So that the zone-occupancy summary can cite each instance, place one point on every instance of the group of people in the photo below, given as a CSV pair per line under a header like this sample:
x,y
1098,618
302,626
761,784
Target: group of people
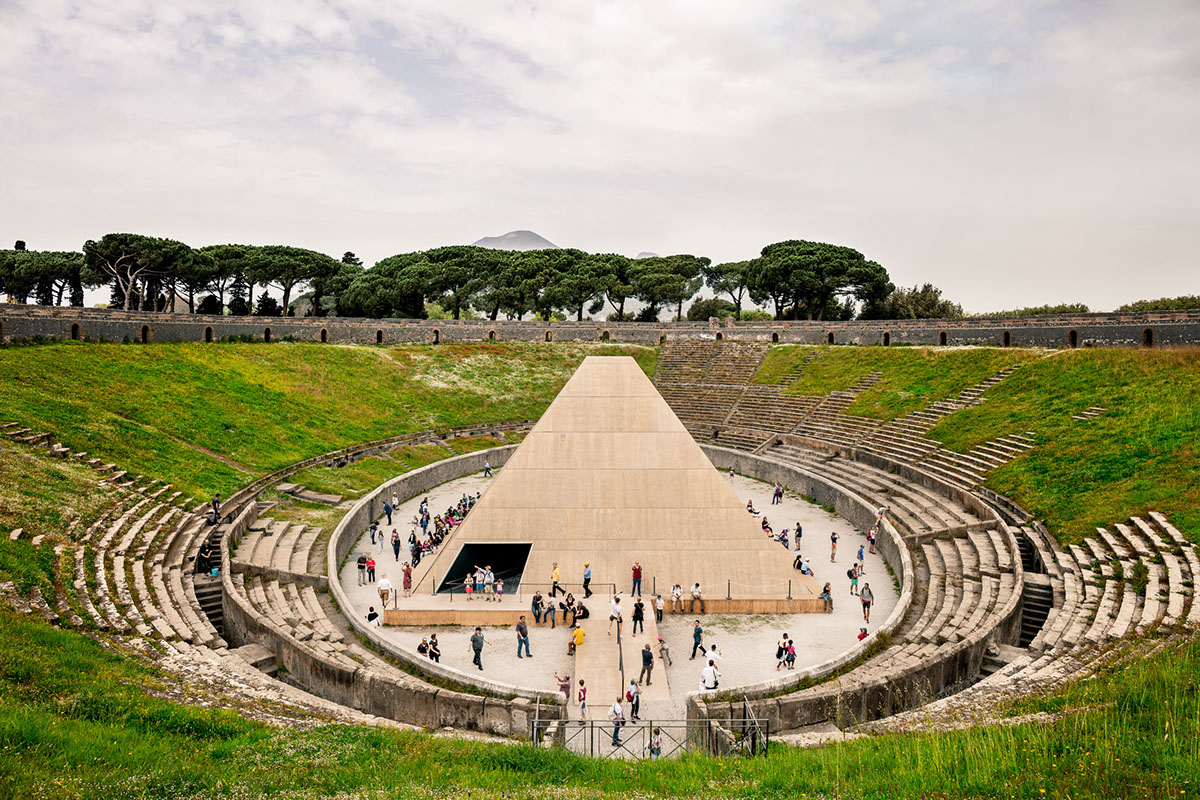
x,y
546,609
483,582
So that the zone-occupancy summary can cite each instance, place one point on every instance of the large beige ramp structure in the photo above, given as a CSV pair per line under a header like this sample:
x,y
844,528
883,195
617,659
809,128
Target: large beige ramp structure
x,y
610,475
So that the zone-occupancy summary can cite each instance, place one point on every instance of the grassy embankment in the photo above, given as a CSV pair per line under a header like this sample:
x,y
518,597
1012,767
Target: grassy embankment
x,y
77,721
1140,455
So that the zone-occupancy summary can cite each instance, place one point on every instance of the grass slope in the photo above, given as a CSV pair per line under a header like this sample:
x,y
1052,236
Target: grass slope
x,y
265,406
78,721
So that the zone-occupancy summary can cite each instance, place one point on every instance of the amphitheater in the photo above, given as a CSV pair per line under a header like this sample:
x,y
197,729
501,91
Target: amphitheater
x,y
990,607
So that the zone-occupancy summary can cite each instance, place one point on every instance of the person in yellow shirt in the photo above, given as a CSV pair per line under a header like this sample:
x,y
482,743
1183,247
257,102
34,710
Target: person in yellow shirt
x,y
554,576
576,640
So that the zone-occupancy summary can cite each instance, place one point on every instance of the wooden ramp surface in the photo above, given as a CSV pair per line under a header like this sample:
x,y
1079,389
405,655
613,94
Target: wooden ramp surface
x,y
597,661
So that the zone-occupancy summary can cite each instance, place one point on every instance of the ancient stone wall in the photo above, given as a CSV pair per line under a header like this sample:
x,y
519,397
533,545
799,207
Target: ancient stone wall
x,y
1149,329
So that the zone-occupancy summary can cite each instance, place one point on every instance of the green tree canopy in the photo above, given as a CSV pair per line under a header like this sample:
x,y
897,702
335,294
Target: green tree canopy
x,y
729,279
924,302
812,276
129,259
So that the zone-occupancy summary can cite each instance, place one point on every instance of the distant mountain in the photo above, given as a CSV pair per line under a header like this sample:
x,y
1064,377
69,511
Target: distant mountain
x,y
516,240
647,254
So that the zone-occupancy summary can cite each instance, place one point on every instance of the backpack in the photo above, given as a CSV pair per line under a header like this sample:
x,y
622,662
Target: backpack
x,y
850,573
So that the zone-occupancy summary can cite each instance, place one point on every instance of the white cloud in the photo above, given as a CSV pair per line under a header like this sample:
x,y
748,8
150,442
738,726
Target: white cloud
x,y
1011,152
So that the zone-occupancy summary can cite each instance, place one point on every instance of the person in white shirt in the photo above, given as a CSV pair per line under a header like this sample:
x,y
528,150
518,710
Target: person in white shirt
x,y
634,696
709,677
658,608
385,589
677,599
696,598
614,613
618,720
713,653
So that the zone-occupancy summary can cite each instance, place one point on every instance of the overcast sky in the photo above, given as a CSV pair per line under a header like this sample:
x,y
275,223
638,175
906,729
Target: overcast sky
x,y
1010,152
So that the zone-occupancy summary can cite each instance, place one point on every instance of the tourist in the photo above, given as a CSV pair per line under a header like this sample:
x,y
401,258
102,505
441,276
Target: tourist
x,y
633,696
387,511
852,574
523,637
859,558
554,578
575,640
709,677
637,579
587,579
658,608
582,697
664,651
698,641
407,579
697,597
882,514
395,501
777,495
216,508
373,616
372,529
614,614
204,559
385,589
362,569
781,652
639,615
568,607
423,647
833,539
435,651
370,569
677,599
479,578
655,745
798,561
862,634
564,686
750,508
499,590
476,646
396,544
581,613
868,599
469,585
379,545
551,610
537,606
647,664
791,654
827,596
766,526
618,717
487,473
714,653
805,568
871,535
799,533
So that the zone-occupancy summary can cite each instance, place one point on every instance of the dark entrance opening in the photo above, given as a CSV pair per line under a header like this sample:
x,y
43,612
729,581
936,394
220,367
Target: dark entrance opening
x,y
75,331
720,336
1007,340
1148,337
604,336
829,338
887,338
549,336
507,560
324,336
775,338
145,334
1073,338
662,339
437,336
208,335
378,337
491,336
266,334
943,337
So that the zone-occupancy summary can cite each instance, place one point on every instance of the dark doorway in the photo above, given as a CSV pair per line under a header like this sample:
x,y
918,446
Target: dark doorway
x,y
208,334
1148,337
774,338
378,337
145,334
1006,340
662,339
324,336
943,338
491,336
720,336
604,336
1073,338
887,338
507,560
437,336
829,338
549,336
266,334
75,331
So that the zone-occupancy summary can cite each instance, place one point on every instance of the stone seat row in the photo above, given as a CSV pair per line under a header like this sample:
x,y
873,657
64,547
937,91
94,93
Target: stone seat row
x,y
282,546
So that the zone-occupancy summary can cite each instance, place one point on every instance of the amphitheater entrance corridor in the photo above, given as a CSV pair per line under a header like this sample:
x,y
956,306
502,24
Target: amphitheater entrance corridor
x,y
507,560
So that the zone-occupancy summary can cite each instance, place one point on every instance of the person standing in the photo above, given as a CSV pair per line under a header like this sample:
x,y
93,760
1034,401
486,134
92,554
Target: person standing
x,y
633,695
618,716
658,608
655,745
647,664
860,560
387,512
476,646
551,610
564,686
216,508
868,599
871,535
698,641
587,579
362,569
614,614
781,652
833,539
639,615
537,605
396,544
407,579
435,650
637,579
554,578
582,696
489,583
852,574
370,569
523,639
385,589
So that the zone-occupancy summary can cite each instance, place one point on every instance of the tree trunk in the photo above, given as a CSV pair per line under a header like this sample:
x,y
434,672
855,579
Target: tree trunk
x,y
579,316
287,293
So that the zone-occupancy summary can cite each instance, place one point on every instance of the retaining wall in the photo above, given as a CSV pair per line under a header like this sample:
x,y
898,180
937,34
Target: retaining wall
x,y
1157,328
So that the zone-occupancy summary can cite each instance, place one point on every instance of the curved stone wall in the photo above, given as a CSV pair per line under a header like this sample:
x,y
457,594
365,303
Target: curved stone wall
x,y
1152,329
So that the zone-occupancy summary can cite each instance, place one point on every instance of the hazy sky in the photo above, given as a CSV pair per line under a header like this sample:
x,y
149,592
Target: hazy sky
x,y
1010,152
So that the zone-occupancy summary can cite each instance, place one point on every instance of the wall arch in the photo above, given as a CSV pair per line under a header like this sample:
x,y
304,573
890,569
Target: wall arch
x,y
437,336
662,339
549,335
720,336
208,334
943,338
491,336
76,331
1,332
1006,339
379,337
775,337
887,338
604,336
1073,338
830,338
324,336
266,334
1148,337
146,335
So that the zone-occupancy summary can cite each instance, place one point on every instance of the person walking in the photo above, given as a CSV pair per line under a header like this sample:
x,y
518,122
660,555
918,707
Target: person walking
x,y
852,574
633,696
385,589
582,697
637,579
554,578
396,544
698,641
370,569
614,614
639,616
833,539
216,508
618,717
664,652
871,536
587,579
697,597
362,569
435,650
647,664
476,646
487,469
860,559
658,608
523,639
387,512
781,652
868,599
407,579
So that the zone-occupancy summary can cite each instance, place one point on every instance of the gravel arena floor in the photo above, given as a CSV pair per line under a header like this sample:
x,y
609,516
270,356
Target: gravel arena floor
x,y
746,643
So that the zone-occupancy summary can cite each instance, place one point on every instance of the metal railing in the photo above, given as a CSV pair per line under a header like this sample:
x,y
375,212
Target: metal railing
x,y
651,739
